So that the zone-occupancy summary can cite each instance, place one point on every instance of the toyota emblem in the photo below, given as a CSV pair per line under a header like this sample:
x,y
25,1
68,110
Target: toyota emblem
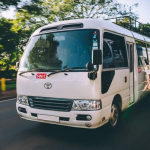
x,y
48,85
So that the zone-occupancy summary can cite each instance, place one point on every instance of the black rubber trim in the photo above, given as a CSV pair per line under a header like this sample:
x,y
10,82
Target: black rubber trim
x,y
106,80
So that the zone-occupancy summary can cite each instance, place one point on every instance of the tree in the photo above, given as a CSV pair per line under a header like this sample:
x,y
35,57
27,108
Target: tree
x,y
27,19
58,10
32,14
145,28
134,25
5,4
8,41
75,9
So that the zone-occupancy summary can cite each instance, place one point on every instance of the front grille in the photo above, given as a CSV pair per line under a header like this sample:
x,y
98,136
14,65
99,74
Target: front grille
x,y
50,103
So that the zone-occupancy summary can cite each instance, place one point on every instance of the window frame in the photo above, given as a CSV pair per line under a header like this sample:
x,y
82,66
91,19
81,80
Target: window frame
x,y
108,47
148,45
118,68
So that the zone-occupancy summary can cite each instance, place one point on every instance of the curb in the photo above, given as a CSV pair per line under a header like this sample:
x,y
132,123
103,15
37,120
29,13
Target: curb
x,y
5,98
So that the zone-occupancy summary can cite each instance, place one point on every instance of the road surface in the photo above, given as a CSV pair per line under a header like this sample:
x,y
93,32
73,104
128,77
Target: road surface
x,y
20,134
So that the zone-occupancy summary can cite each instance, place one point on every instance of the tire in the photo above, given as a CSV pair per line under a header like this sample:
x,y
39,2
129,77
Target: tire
x,y
114,116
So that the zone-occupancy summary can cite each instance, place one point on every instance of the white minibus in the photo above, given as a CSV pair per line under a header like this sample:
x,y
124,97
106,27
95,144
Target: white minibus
x,y
82,73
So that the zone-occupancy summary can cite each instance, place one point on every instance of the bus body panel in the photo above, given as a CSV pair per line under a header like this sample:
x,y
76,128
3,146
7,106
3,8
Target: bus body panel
x,y
75,85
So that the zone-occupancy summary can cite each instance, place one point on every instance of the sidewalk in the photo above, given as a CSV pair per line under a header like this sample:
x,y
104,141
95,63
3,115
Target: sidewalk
x,y
7,94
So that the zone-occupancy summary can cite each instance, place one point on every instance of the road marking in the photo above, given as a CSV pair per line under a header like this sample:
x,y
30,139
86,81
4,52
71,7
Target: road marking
x,y
7,100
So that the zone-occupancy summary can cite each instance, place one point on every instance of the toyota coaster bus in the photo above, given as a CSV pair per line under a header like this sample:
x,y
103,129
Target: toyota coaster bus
x,y
82,73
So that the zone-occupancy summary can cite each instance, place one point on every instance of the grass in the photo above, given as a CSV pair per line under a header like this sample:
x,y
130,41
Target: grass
x,y
10,85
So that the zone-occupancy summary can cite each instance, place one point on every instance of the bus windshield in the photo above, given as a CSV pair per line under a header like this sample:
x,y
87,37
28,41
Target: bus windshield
x,y
60,50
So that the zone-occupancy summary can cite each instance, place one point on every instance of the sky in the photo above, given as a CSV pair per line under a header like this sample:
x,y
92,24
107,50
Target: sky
x,y
9,13
143,10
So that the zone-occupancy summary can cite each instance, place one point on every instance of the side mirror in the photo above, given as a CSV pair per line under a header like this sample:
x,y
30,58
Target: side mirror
x,y
97,57
89,66
17,65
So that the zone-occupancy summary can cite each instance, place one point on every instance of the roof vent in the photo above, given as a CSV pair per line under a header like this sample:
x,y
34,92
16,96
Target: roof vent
x,y
51,28
63,27
72,26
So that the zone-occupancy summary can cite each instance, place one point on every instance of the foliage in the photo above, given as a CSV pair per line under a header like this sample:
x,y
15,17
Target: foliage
x,y
8,42
74,9
32,14
59,10
134,25
11,38
28,19
8,74
145,28
5,4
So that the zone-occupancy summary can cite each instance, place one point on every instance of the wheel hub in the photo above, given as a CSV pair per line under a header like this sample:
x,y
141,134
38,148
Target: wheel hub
x,y
114,115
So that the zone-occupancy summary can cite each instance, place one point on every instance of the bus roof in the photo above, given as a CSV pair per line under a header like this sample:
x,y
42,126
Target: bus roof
x,y
97,23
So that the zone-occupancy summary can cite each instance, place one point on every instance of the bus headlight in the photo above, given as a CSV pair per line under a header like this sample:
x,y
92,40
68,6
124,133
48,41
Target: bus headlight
x,y
86,105
22,100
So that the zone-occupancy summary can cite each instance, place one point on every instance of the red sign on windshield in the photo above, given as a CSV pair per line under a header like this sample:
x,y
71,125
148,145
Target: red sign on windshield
x,y
41,76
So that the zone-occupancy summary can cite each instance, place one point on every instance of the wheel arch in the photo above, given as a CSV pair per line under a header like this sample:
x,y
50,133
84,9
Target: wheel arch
x,y
118,100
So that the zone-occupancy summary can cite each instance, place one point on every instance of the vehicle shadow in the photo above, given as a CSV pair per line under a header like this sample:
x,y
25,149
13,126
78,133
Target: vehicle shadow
x,y
127,131
133,132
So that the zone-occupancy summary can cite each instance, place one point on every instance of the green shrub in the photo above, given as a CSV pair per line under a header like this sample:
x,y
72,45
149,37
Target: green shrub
x,y
8,74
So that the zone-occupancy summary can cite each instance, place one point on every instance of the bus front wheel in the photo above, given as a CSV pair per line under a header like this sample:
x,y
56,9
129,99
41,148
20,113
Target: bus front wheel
x,y
114,116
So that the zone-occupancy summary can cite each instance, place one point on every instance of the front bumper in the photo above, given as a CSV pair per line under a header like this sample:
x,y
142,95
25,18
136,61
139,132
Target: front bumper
x,y
95,122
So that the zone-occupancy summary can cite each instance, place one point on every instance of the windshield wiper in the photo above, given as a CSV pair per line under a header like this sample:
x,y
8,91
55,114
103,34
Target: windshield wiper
x,y
34,70
66,69
42,70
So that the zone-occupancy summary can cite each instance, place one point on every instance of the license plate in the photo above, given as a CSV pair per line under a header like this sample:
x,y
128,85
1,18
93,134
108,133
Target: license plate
x,y
48,118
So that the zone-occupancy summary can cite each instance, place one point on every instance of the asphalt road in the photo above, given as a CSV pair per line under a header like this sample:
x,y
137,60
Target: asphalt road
x,y
20,134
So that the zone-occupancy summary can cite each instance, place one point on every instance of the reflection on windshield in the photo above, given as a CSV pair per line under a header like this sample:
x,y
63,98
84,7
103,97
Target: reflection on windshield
x,y
56,51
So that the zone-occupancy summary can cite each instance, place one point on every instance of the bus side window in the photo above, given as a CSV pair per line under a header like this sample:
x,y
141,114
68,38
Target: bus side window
x,y
118,50
107,55
148,50
142,53
106,51
139,62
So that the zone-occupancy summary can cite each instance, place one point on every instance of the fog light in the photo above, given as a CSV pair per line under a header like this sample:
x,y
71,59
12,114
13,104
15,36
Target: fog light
x,y
23,110
88,117
83,117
